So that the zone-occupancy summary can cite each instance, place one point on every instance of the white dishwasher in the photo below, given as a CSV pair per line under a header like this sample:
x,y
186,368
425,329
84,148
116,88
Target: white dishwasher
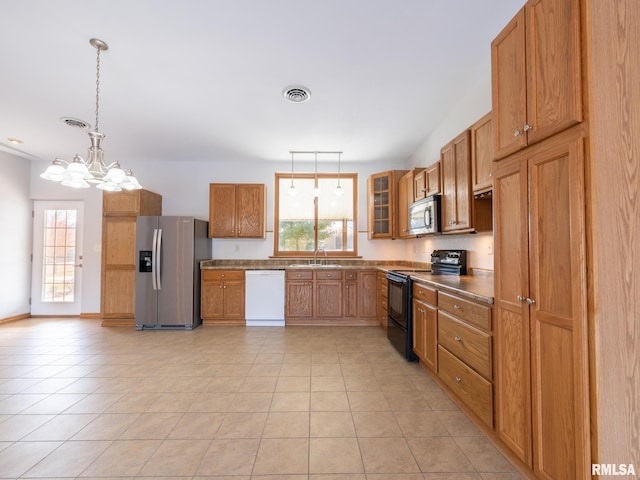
x,y
264,298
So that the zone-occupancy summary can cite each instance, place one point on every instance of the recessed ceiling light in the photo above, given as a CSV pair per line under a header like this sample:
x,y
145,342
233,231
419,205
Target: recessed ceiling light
x,y
75,123
15,141
296,94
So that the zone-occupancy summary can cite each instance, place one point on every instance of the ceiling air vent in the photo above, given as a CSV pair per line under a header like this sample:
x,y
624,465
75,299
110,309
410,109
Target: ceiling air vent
x,y
296,94
75,123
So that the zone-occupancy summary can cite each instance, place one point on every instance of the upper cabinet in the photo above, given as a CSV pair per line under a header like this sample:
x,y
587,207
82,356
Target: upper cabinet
x,y
536,74
482,154
405,198
382,203
237,210
455,160
427,182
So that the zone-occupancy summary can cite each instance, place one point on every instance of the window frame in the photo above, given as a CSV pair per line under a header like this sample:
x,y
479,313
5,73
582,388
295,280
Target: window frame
x,y
276,215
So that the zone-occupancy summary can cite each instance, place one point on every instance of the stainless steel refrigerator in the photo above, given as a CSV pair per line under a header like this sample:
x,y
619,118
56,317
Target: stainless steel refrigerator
x,y
169,251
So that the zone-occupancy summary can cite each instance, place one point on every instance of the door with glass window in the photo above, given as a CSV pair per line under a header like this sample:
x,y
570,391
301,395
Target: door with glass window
x,y
57,258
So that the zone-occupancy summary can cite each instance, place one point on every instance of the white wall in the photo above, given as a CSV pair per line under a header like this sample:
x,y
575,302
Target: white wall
x,y
471,107
184,187
15,239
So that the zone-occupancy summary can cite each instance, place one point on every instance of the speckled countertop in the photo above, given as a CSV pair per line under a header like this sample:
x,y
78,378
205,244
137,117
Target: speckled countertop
x,y
478,287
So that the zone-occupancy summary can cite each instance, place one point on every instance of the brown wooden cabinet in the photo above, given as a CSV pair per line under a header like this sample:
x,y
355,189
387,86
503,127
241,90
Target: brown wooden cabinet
x,y
482,154
536,74
237,210
465,352
542,394
331,297
455,159
222,297
299,294
383,299
382,204
427,182
118,274
405,198
425,325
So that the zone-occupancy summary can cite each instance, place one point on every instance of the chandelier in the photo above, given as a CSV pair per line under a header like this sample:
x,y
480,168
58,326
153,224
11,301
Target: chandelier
x,y
80,173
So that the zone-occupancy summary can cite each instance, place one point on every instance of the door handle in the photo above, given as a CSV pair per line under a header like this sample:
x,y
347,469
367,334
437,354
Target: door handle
x,y
154,245
159,260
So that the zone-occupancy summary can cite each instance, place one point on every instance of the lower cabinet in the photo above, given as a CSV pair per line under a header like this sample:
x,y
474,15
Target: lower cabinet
x,y
452,337
425,325
327,297
383,299
222,297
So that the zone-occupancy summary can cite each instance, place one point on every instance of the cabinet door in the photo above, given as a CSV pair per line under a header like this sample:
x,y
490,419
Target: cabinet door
x,y
328,301
233,299
222,208
250,210
456,179
212,300
433,180
482,153
299,300
511,321
554,83
367,288
419,330
118,267
350,296
508,87
420,185
405,198
380,205
557,258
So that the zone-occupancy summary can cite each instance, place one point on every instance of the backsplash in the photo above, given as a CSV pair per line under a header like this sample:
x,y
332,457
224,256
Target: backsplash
x,y
479,248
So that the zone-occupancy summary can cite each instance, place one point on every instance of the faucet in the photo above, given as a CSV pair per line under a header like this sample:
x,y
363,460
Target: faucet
x,y
315,255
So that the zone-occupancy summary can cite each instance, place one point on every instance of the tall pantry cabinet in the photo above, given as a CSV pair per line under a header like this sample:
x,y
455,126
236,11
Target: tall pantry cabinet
x,y
541,350
119,216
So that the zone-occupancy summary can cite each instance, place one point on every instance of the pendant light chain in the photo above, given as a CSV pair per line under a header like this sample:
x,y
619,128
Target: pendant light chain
x,y
97,86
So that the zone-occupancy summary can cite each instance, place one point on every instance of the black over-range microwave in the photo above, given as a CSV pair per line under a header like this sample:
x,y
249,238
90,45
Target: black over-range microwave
x,y
424,216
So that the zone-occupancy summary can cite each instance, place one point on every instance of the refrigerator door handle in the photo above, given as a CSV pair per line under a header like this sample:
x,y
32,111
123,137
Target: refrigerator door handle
x,y
158,258
153,259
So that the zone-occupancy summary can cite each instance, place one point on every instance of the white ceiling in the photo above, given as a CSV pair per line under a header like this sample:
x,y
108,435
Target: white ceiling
x,y
202,79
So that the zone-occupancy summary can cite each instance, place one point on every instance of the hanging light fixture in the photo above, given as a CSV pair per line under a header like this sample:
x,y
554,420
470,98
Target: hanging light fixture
x,y
80,173
292,188
338,190
316,191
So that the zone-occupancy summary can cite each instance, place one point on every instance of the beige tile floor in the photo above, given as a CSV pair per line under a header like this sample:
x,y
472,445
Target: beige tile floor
x,y
263,403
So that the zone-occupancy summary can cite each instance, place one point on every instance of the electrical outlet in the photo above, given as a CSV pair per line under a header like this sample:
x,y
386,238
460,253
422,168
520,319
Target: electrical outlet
x,y
237,247
490,249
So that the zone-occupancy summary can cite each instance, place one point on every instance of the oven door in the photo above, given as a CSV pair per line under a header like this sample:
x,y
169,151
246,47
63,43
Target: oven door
x,y
397,300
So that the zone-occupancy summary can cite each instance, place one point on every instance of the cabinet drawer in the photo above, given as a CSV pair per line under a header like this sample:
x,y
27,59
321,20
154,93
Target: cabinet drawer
x,y
299,274
425,294
470,345
351,275
328,275
471,388
474,313
210,275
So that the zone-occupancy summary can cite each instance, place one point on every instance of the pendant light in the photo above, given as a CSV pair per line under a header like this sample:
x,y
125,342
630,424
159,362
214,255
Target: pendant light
x,y
80,173
316,191
338,191
292,189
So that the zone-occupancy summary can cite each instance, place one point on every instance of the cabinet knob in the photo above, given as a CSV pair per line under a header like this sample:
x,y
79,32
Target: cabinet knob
x,y
457,339
457,307
527,127
520,298
517,132
530,301
458,380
